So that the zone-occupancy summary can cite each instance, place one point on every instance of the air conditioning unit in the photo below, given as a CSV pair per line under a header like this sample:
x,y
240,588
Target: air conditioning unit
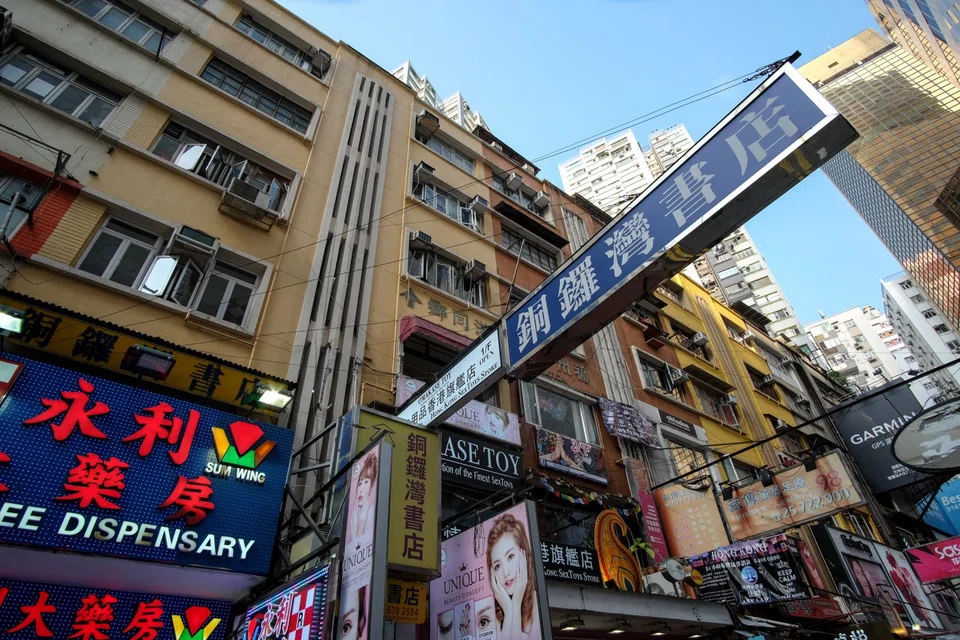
x,y
677,376
699,339
474,269
320,59
785,360
247,200
529,168
6,27
497,146
420,240
422,170
427,123
766,381
746,335
196,240
728,399
479,203
779,425
802,399
513,181
541,199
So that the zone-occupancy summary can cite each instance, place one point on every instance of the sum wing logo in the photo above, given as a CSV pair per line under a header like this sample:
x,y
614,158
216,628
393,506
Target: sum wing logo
x,y
237,451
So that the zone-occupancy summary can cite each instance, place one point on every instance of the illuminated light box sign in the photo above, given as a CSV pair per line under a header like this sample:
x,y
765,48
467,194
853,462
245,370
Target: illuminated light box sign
x,y
94,466
294,612
30,610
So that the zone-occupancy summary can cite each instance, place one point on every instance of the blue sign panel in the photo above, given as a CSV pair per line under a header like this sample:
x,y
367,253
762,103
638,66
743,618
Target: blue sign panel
x,y
29,610
96,466
944,513
740,151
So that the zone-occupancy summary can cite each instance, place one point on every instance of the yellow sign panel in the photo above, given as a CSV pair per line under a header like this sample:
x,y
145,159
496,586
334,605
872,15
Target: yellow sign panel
x,y
72,337
414,491
406,601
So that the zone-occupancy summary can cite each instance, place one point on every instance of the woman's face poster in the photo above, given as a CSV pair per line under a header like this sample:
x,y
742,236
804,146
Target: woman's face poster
x,y
487,589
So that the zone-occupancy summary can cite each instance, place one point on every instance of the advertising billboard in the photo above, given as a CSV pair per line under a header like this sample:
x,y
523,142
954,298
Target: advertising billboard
x,y
491,585
639,482
750,573
691,520
796,496
479,463
294,612
570,564
942,510
562,453
936,561
868,427
95,466
30,610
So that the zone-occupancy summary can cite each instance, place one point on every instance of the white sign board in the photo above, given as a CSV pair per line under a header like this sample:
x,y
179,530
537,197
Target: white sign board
x,y
443,397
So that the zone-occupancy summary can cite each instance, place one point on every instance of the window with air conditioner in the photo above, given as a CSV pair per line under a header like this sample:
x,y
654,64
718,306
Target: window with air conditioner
x,y
522,197
715,403
559,413
120,252
448,151
200,155
128,22
448,275
51,83
655,376
449,205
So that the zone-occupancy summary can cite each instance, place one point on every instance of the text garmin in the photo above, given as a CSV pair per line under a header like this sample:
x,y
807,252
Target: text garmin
x,y
239,460
881,430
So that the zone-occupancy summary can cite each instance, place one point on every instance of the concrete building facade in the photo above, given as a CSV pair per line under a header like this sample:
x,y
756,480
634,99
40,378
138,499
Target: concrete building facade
x,y
609,172
926,28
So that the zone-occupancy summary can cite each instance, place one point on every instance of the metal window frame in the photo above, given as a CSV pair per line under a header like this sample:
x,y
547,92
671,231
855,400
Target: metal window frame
x,y
232,282
126,241
165,34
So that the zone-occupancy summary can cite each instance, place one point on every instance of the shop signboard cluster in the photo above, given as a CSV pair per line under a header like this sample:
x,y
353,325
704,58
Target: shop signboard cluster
x,y
296,611
936,561
95,466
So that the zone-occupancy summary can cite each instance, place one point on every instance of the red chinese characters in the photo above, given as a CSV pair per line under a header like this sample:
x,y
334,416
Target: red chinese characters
x,y
93,618
4,459
192,495
33,616
157,423
73,408
95,480
147,621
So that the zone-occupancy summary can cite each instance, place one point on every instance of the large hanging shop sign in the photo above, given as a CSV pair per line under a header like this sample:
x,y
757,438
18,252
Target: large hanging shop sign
x,y
479,463
691,520
95,466
639,482
757,572
930,443
936,561
618,566
57,331
30,610
295,612
942,511
570,564
794,497
867,570
475,416
565,454
491,585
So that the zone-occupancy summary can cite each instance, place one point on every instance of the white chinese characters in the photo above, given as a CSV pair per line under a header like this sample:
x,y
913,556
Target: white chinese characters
x,y
761,126
631,239
532,322
689,194
578,287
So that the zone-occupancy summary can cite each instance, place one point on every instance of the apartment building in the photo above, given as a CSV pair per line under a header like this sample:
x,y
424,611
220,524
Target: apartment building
x,y
608,172
454,107
667,146
929,337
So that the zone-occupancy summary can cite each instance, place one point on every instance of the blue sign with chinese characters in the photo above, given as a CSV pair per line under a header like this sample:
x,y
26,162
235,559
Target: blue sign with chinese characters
x,y
95,466
30,610
744,149
944,513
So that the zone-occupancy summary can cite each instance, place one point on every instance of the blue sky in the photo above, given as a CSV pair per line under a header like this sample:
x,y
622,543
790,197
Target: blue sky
x,y
545,74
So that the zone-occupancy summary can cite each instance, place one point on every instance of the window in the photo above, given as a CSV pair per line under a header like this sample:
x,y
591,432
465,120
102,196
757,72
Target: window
x,y
447,275
684,338
685,459
129,23
120,252
916,299
239,85
750,268
859,524
736,471
760,282
780,314
940,328
59,87
289,52
463,161
227,293
929,313
559,413
714,403
953,345
850,324
521,197
29,196
449,206
726,273
746,253
538,255
770,297
209,160
656,377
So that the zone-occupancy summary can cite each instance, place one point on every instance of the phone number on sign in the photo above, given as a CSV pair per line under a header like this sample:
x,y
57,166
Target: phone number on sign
x,y
819,502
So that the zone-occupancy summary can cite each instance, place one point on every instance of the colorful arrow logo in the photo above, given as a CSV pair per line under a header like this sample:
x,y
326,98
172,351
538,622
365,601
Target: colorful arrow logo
x,y
241,453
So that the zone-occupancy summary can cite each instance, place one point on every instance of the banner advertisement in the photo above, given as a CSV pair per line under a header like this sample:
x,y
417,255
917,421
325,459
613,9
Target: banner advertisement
x,y
691,520
414,488
757,572
296,611
944,512
639,481
31,610
474,416
362,538
491,585
406,602
796,496
570,564
864,569
94,466
478,463
817,607
936,561
868,427
623,421
560,453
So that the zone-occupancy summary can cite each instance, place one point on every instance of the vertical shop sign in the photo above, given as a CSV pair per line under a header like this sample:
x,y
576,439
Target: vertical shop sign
x,y
640,484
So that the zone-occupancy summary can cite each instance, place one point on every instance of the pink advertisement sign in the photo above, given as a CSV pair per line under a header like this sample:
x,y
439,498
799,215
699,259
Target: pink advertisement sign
x,y
487,588
637,477
936,561
474,416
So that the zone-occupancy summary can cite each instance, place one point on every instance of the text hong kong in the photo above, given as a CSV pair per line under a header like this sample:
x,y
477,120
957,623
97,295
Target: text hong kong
x,y
95,466
768,126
